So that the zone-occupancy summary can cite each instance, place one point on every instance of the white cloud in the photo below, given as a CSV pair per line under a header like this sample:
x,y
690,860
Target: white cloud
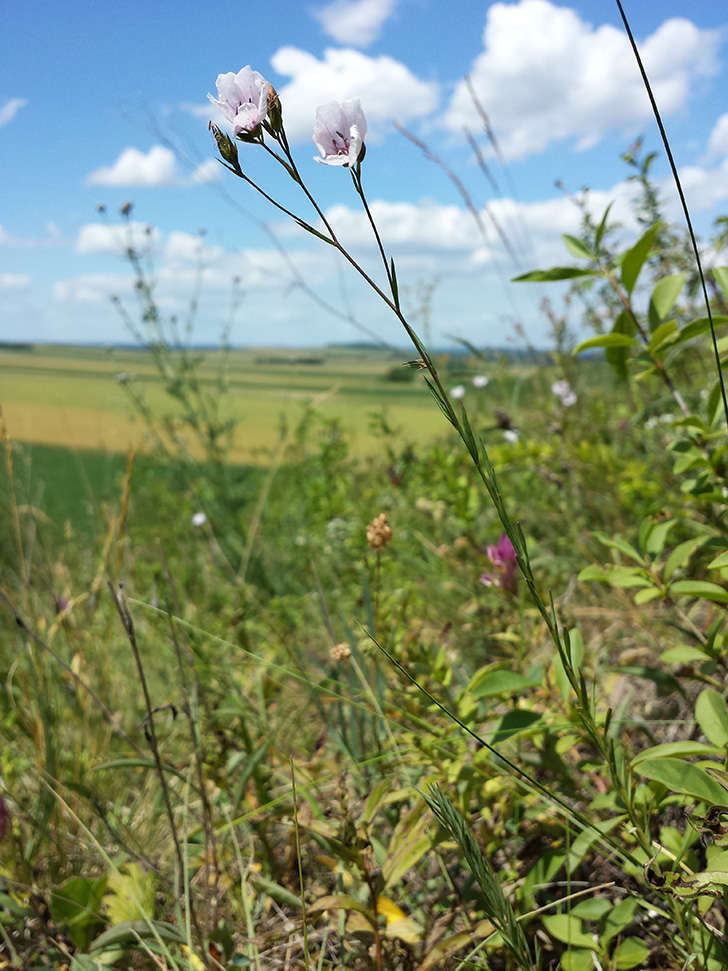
x,y
115,238
208,171
52,236
134,168
703,187
386,88
718,140
9,110
188,249
91,287
355,22
545,74
14,281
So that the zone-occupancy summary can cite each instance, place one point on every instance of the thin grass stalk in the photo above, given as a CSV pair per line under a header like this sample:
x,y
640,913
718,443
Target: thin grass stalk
x,y
77,679
211,858
151,735
304,920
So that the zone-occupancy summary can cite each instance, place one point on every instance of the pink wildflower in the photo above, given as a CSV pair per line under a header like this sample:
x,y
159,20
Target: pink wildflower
x,y
503,558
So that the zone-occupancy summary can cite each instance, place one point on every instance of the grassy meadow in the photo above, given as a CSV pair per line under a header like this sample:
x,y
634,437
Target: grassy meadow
x,y
71,396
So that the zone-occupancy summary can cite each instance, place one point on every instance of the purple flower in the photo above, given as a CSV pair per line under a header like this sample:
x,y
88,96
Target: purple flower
x,y
243,99
338,133
4,817
503,558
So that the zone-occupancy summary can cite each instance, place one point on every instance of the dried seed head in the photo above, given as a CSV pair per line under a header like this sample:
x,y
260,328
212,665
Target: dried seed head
x,y
340,652
379,532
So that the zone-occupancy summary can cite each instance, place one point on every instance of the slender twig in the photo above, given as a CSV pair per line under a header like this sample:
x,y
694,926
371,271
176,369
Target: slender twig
x,y
683,203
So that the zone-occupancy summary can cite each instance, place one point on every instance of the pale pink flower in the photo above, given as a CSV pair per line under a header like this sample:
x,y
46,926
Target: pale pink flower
x,y
458,392
242,99
564,392
480,381
338,133
199,519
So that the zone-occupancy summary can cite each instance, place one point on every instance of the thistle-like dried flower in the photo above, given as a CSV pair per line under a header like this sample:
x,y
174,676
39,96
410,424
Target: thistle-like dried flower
x,y
340,652
379,532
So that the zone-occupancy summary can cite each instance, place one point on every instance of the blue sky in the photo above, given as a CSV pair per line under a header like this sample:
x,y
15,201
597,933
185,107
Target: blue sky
x,y
104,103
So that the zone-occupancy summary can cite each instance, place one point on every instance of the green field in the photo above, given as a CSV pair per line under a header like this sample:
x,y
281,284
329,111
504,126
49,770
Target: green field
x,y
71,396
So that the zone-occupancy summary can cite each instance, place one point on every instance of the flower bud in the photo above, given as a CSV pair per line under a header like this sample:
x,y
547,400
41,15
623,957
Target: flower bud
x,y
275,112
225,146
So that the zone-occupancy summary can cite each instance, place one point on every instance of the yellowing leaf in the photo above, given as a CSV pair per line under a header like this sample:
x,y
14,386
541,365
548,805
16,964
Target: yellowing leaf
x,y
398,923
130,894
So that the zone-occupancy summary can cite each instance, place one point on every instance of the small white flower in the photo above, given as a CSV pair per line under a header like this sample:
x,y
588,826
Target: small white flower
x,y
458,392
564,392
199,519
480,381
511,435
243,99
339,131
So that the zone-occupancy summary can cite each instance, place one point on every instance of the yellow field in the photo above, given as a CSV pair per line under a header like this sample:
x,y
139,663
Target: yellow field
x,y
71,396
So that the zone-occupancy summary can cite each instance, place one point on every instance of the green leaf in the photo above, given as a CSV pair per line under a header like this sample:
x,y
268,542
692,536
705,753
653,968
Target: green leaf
x,y
628,576
719,562
697,327
617,357
656,537
662,335
130,932
275,891
578,247
602,227
720,275
685,654
619,917
682,749
645,595
503,682
84,962
393,278
577,959
663,297
555,273
711,713
629,953
594,572
568,930
513,723
606,340
76,906
683,777
699,588
634,259
618,543
594,908
411,839
682,553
